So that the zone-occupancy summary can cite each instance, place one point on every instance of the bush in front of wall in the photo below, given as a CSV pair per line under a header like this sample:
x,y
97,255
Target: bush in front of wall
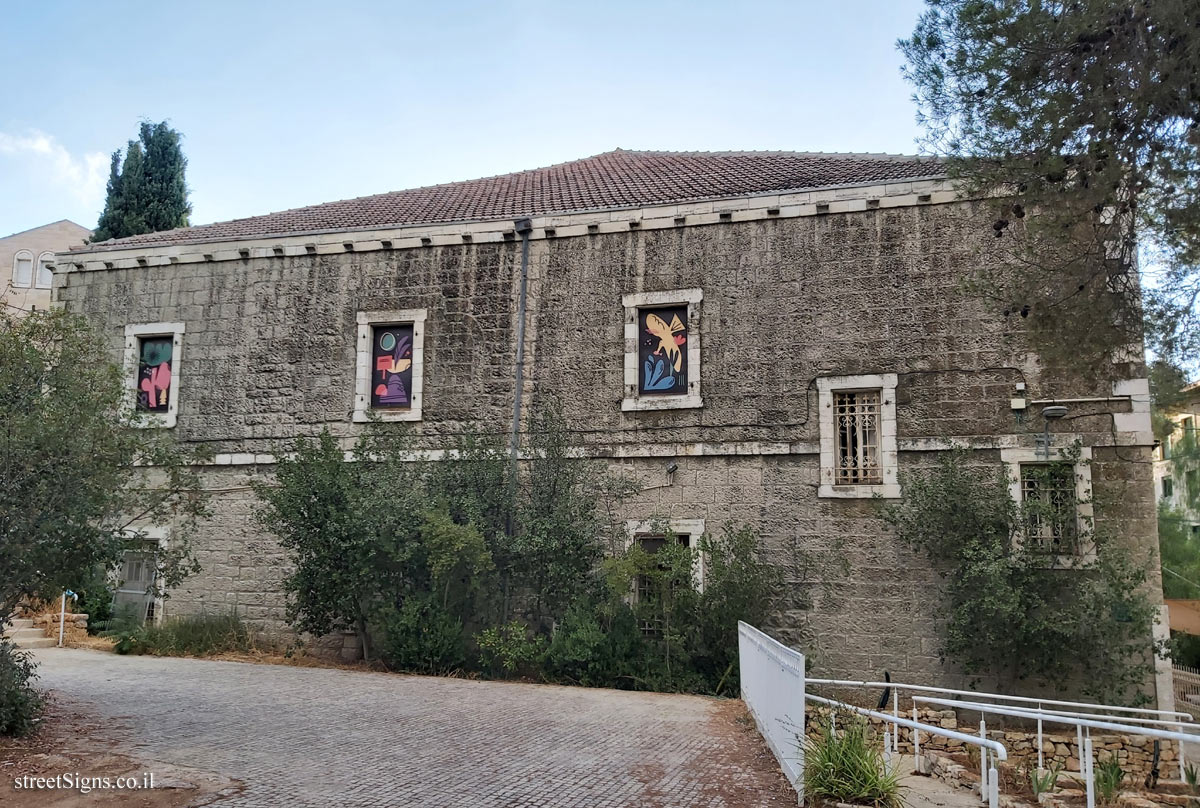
x,y
846,764
510,650
420,636
595,645
196,635
20,703
1017,610
475,564
1109,778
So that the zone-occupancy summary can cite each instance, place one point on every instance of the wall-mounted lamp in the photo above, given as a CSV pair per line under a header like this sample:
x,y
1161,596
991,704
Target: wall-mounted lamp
x,y
1054,412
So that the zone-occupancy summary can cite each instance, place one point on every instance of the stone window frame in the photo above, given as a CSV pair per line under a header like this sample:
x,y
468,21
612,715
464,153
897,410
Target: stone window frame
x,y
889,457
17,258
366,321
133,333
692,528
633,402
1013,459
45,258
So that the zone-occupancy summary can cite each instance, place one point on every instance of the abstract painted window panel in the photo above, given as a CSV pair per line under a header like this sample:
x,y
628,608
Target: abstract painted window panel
x,y
154,373
662,350
392,366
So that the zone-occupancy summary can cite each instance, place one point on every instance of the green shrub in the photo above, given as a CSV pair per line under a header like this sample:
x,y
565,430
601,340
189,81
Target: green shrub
x,y
596,645
847,765
1010,612
95,599
1109,777
125,628
1043,781
420,636
509,649
188,635
20,703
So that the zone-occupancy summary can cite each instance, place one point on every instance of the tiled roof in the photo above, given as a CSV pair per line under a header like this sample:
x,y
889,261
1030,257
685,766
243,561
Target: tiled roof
x,y
615,179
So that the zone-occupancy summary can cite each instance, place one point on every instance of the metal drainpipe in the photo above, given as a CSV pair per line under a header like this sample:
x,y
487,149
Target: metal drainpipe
x,y
523,227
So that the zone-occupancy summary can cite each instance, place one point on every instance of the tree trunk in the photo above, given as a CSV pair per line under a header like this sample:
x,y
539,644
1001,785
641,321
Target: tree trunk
x,y
363,640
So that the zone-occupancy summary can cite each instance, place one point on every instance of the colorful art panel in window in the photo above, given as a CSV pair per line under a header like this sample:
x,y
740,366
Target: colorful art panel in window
x,y
154,373
662,351
391,366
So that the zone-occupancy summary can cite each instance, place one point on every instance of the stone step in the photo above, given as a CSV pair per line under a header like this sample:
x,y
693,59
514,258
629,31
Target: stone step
x,y
19,623
37,642
24,634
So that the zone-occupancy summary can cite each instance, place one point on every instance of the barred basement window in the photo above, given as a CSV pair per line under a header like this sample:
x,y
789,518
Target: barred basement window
x,y
645,592
856,416
1048,496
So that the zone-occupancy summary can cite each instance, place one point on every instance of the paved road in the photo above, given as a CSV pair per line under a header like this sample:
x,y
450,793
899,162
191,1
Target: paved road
x,y
301,737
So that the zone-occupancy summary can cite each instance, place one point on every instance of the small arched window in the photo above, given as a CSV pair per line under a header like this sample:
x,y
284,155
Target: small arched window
x,y
45,277
22,274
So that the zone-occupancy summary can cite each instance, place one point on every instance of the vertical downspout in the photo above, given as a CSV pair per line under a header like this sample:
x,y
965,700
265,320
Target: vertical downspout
x,y
524,227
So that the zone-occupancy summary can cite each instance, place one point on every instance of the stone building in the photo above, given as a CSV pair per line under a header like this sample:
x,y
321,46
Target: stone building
x,y
1176,465
26,259
759,337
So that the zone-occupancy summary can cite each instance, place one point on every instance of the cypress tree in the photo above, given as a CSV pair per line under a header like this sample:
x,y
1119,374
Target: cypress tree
x,y
147,191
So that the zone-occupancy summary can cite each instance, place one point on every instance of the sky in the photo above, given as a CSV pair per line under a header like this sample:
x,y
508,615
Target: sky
x,y
284,104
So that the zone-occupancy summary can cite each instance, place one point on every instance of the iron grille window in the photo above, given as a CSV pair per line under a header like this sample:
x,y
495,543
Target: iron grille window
x,y
645,592
1168,486
1049,500
856,419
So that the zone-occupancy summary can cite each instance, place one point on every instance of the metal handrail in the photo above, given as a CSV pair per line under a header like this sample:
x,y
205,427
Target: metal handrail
x,y
978,694
1084,744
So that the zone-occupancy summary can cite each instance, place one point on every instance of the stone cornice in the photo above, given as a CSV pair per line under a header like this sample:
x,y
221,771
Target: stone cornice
x,y
824,201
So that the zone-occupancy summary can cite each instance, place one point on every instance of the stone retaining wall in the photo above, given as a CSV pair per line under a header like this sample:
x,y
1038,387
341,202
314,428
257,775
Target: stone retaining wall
x,y
1135,753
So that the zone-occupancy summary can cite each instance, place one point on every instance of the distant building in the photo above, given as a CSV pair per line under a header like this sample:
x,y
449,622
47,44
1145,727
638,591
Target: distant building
x,y
27,258
1177,461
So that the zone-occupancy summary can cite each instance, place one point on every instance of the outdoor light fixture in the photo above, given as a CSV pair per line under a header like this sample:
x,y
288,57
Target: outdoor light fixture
x,y
672,467
1052,413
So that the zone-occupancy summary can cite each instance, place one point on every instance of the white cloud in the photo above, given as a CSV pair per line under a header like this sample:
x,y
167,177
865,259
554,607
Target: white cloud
x,y
84,177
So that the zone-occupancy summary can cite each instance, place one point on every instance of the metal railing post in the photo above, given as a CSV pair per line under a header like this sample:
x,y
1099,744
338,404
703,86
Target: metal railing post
x,y
896,713
1041,762
1089,774
916,738
994,782
1079,745
984,789
1182,772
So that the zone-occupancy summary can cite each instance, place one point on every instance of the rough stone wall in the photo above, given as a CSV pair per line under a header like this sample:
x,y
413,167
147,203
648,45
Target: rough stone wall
x,y
269,354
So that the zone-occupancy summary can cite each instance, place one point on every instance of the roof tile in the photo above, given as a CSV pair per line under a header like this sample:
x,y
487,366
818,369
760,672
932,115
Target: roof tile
x,y
615,179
